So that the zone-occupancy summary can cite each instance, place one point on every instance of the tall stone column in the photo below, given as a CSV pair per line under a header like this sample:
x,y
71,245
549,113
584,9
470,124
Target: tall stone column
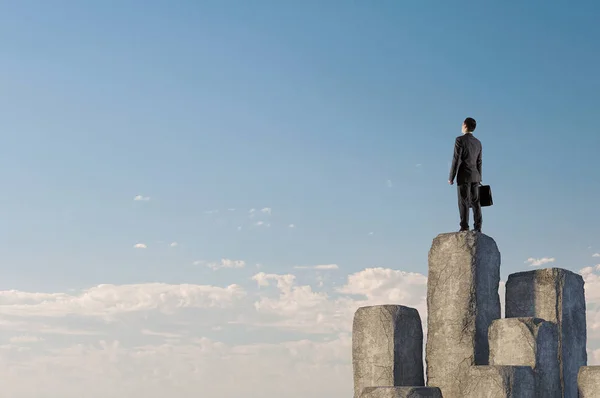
x,y
387,347
555,295
462,302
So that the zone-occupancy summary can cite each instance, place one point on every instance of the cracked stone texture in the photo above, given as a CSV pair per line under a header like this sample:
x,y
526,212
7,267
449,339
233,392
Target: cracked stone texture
x,y
387,347
401,392
589,382
499,382
528,342
556,295
462,302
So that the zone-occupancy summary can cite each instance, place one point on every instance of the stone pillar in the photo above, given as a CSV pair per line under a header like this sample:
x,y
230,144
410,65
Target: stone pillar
x,y
528,342
499,382
401,392
462,302
589,382
556,295
387,347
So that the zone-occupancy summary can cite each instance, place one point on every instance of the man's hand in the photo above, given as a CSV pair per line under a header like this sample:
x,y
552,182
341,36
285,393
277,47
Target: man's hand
x,y
450,182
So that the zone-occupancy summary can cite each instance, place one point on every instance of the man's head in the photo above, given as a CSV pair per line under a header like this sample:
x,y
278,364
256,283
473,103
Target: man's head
x,y
469,125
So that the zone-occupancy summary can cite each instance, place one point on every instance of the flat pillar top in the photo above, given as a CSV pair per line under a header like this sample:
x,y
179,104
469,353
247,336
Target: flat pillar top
x,y
466,240
594,368
545,272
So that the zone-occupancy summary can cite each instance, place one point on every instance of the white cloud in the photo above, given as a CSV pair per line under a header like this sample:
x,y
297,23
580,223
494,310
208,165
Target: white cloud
x,y
321,267
291,226
224,263
596,255
231,209
147,332
140,246
202,366
211,211
259,223
174,244
266,210
25,339
591,277
389,183
110,300
141,198
371,233
189,349
536,262
301,308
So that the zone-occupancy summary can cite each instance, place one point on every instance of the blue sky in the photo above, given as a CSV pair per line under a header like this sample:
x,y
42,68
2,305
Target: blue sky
x,y
305,108
308,110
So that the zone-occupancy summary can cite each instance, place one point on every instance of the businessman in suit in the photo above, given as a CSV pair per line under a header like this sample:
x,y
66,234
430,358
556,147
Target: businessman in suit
x,y
466,167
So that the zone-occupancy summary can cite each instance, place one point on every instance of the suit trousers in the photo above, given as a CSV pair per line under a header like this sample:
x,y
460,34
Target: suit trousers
x,y
468,196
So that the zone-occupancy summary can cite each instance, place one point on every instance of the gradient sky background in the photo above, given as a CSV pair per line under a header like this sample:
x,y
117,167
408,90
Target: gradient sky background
x,y
339,117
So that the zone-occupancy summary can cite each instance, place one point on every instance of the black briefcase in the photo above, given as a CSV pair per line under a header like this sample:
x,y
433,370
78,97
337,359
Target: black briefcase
x,y
485,195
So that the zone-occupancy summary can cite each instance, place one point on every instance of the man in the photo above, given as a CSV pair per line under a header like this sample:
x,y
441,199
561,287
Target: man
x,y
466,166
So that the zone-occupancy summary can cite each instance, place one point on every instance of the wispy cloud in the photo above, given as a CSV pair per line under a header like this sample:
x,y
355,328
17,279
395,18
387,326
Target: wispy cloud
x,y
140,246
291,226
389,183
142,198
25,339
418,165
147,332
107,300
211,212
174,244
266,210
596,255
321,267
371,233
231,209
536,262
224,263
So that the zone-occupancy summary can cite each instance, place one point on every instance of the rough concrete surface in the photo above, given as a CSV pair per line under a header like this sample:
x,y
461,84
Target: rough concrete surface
x,y
499,382
387,347
462,301
528,342
556,295
589,382
401,392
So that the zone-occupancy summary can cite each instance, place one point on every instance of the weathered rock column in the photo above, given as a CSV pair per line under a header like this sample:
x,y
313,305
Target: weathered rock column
x,y
401,392
462,302
499,382
556,295
528,342
589,382
387,347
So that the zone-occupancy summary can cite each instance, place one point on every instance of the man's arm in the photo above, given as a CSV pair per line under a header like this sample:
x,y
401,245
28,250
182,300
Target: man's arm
x,y
455,160
479,163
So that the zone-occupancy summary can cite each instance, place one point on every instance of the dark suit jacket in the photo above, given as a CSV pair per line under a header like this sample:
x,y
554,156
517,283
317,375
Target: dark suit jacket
x,y
466,163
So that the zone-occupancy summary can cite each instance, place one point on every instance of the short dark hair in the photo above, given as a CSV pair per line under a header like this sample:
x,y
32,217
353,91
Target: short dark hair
x,y
470,123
